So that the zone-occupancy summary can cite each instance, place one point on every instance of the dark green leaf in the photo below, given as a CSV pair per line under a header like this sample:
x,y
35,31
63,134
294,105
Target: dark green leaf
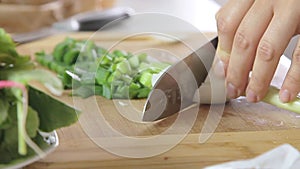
x,y
3,109
53,114
32,122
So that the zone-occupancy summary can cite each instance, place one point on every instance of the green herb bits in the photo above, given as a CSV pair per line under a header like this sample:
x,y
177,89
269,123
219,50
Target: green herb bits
x,y
96,71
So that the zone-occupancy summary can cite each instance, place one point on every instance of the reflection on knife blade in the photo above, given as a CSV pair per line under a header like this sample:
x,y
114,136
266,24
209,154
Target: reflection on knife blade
x,y
31,36
87,21
176,88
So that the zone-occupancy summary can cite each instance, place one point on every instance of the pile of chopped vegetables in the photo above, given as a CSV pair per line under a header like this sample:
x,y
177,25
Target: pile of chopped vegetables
x,y
20,122
90,69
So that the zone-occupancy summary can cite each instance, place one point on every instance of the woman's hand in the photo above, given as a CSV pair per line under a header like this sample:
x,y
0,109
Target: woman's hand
x,y
252,36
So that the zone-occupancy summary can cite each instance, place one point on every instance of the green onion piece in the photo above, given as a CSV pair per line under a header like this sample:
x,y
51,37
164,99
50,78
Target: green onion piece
x,y
105,59
122,91
142,57
126,78
158,67
133,89
98,90
146,79
142,93
124,67
71,56
134,61
119,53
83,91
107,92
102,75
59,51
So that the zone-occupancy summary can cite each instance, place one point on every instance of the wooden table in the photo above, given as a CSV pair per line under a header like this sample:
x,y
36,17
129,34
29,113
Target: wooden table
x,y
244,131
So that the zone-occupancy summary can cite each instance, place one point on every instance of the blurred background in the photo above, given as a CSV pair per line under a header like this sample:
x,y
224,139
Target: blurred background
x,y
18,16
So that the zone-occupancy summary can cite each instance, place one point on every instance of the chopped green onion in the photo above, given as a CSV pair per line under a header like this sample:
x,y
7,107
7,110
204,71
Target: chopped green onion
x,y
118,74
146,79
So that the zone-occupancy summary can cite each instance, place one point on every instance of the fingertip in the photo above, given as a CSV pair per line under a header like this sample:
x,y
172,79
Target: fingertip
x,y
287,96
219,68
251,96
232,91
284,96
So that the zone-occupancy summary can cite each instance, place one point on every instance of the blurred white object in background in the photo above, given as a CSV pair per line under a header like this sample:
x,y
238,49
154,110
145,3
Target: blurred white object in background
x,y
199,13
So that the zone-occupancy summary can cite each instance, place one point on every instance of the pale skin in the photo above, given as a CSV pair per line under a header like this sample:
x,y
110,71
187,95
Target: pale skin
x,y
252,37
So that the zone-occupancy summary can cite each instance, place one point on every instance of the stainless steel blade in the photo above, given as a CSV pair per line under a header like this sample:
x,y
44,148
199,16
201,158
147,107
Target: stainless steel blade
x,y
175,89
86,21
35,35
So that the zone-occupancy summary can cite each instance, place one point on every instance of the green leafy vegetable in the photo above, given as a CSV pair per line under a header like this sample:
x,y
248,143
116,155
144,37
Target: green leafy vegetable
x,y
52,113
94,70
19,122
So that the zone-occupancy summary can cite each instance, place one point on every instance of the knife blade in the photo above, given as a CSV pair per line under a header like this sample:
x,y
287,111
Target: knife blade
x,y
86,21
175,89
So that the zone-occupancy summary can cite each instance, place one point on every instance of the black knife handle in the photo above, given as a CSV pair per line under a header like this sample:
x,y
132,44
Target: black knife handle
x,y
95,20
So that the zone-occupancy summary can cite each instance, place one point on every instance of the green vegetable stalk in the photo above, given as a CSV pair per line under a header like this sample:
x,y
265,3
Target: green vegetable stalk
x,y
272,97
21,114
21,95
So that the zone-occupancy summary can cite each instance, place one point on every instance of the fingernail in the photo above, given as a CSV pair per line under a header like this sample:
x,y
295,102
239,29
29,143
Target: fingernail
x,y
219,68
285,96
231,91
251,96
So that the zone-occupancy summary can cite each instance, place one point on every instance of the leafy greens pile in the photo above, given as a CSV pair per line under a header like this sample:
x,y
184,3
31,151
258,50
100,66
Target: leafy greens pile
x,y
20,122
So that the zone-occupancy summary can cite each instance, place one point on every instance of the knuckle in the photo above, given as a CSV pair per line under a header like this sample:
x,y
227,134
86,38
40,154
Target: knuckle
x,y
265,50
257,83
218,14
293,77
224,24
296,55
241,40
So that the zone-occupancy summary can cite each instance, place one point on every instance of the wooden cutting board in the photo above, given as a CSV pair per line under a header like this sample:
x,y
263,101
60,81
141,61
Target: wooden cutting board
x,y
245,129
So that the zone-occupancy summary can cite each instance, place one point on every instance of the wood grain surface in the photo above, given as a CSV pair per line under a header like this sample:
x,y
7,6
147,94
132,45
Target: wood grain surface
x,y
245,129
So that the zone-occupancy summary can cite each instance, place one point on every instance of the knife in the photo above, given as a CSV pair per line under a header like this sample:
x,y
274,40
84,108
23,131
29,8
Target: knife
x,y
182,85
86,21
175,89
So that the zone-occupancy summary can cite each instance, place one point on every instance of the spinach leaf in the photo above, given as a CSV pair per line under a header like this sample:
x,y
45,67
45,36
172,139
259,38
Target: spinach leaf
x,y
32,122
52,113
3,110
15,72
